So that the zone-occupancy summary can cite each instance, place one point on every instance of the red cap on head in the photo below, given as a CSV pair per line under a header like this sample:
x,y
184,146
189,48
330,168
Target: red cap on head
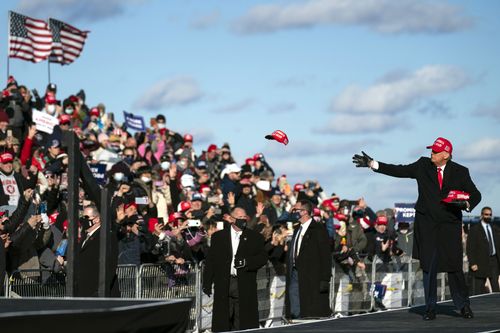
x,y
441,144
212,148
130,204
73,99
183,206
381,220
298,187
203,188
279,136
94,112
316,211
328,205
50,98
174,218
6,157
188,138
249,161
64,119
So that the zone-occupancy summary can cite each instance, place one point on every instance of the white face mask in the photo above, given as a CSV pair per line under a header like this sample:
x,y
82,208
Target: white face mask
x,y
146,179
118,176
51,108
165,165
68,111
161,125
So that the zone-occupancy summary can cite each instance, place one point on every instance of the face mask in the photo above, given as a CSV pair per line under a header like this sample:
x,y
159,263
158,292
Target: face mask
x,y
161,125
165,165
118,176
128,160
294,217
68,111
114,149
51,108
146,179
241,223
487,219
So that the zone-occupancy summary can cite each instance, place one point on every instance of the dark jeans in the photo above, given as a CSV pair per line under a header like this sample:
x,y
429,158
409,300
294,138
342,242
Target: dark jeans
x,y
234,304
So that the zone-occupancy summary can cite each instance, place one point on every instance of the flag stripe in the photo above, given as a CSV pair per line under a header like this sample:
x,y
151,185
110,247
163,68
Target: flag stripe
x,y
68,42
29,39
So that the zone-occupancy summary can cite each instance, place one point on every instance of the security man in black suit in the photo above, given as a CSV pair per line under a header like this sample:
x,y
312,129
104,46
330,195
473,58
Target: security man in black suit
x,y
483,251
438,225
235,255
88,279
309,266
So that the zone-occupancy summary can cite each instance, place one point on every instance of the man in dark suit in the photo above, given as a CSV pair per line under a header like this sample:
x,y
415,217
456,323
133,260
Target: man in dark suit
x,y
235,255
88,279
483,251
309,266
438,224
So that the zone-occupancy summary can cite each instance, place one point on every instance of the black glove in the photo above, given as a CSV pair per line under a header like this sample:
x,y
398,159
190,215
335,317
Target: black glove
x,y
207,291
458,204
324,287
239,263
362,161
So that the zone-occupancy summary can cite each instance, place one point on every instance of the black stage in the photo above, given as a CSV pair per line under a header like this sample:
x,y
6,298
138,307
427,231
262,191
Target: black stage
x,y
94,315
486,310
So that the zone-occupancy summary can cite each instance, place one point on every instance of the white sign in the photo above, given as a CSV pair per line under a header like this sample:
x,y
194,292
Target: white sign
x,y
44,122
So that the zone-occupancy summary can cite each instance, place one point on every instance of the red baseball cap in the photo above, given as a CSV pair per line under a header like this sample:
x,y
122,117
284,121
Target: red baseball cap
x,y
6,157
50,98
64,119
279,136
95,112
298,187
188,138
130,204
183,206
441,144
212,148
456,195
381,220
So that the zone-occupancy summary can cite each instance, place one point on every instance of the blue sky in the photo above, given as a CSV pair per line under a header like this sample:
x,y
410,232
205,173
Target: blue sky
x,y
337,76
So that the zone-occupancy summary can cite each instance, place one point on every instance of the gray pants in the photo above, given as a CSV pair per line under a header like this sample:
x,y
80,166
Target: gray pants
x,y
234,304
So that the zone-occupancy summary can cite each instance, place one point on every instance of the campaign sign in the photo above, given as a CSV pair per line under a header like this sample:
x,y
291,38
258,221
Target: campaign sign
x,y
99,172
134,122
405,212
44,122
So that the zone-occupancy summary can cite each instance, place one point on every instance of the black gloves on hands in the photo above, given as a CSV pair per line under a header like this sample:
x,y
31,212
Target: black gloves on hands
x,y
362,161
239,263
458,204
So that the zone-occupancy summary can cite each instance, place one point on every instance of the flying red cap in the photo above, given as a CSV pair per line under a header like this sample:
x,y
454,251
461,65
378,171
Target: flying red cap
x,y
456,195
441,144
279,136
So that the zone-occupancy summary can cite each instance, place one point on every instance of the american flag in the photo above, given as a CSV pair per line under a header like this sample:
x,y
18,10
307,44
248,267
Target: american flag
x,y
68,42
29,39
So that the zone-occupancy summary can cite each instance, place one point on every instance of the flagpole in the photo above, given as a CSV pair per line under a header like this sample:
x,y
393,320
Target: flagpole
x,y
8,44
48,68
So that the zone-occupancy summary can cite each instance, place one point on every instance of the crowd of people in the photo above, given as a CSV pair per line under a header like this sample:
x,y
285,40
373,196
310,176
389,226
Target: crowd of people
x,y
168,200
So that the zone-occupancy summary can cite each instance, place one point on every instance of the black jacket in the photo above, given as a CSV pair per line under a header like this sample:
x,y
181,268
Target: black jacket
x,y
437,227
478,250
314,265
217,272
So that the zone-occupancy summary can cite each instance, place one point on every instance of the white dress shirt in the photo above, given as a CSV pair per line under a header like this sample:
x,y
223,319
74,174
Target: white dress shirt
x,y
235,242
304,226
489,234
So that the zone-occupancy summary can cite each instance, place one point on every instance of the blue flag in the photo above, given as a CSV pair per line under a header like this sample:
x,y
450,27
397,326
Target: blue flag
x,y
134,122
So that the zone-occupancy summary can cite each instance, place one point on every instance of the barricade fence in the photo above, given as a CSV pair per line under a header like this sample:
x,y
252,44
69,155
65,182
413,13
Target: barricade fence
x,y
378,286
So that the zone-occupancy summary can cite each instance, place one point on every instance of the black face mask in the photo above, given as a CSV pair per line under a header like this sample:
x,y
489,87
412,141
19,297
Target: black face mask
x,y
241,223
294,217
487,219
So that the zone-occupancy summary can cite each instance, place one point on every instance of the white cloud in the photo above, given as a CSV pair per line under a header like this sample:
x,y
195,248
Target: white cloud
x,y
171,92
235,107
384,16
483,149
349,124
206,21
394,94
75,10
492,111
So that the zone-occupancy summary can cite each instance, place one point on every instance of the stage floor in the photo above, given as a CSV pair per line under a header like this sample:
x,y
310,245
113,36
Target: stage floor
x,y
486,310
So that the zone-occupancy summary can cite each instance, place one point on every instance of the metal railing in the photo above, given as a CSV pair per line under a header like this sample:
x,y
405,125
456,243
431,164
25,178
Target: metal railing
x,y
379,286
